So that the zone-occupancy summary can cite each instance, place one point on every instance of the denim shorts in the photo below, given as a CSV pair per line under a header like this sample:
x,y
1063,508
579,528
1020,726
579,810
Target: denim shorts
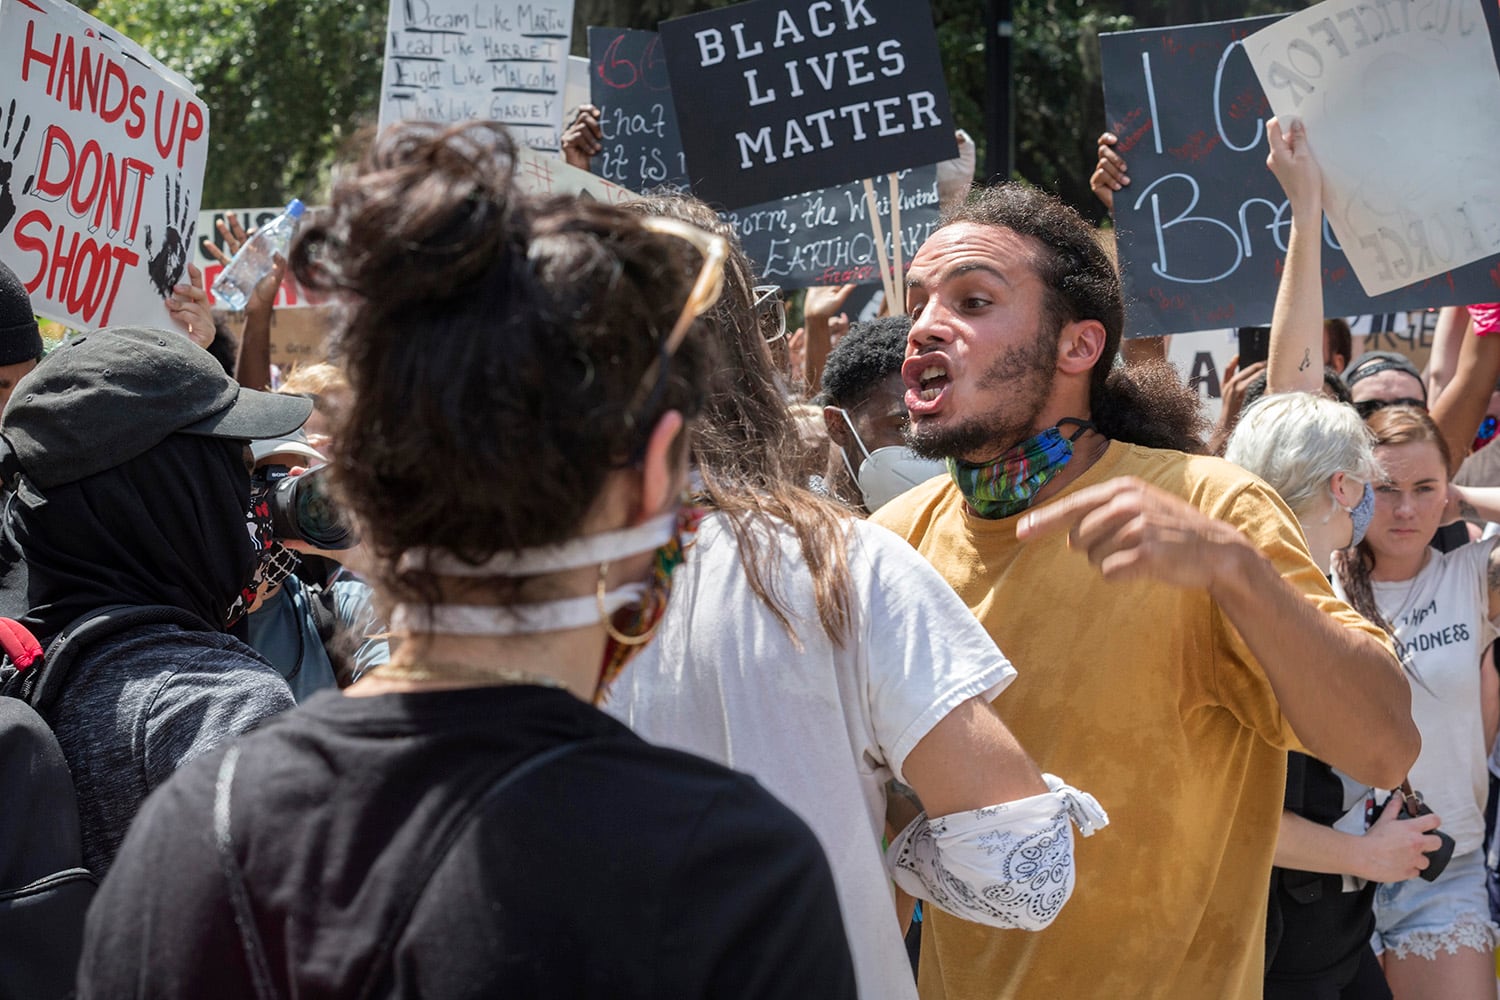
x,y
1417,918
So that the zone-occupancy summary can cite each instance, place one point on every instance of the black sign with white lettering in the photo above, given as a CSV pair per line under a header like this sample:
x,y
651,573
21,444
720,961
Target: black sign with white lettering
x,y
1203,225
628,83
824,237
788,98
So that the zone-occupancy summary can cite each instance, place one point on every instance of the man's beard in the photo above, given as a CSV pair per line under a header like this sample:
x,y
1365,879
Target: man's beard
x,y
1025,374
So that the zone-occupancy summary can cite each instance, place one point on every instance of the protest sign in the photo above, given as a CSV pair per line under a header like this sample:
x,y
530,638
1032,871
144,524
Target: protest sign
x,y
824,237
540,176
457,60
1369,76
101,166
791,99
628,84
1202,228
298,336
575,87
288,295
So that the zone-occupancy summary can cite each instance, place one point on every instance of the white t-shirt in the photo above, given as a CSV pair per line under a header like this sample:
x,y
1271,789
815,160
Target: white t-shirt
x,y
1441,617
822,727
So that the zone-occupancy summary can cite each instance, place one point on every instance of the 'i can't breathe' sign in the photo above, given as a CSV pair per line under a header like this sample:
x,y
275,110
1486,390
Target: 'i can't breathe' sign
x,y
788,98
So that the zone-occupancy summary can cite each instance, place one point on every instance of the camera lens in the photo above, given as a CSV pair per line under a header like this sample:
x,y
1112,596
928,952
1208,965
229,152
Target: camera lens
x,y
302,509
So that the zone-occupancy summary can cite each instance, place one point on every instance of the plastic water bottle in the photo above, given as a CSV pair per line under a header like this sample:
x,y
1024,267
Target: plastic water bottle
x,y
256,259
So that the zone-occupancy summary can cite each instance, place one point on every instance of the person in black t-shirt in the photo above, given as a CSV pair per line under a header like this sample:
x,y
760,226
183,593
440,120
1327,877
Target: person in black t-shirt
x,y
462,822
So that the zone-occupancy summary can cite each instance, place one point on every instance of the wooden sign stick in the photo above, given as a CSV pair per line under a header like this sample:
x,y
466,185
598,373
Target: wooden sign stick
x,y
884,260
898,277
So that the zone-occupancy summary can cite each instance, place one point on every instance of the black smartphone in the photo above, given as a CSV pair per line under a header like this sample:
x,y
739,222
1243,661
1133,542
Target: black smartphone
x,y
1255,345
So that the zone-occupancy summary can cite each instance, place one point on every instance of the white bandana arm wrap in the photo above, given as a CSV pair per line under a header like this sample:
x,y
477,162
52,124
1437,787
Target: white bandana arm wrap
x,y
1009,865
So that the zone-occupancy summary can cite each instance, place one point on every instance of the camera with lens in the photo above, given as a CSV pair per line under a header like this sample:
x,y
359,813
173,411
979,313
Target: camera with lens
x,y
301,508
1412,806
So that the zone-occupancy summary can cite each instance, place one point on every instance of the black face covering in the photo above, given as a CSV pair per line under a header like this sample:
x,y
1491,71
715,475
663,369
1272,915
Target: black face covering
x,y
167,527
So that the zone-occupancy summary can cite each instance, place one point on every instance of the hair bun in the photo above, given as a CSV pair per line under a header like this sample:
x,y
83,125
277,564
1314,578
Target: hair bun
x,y
430,208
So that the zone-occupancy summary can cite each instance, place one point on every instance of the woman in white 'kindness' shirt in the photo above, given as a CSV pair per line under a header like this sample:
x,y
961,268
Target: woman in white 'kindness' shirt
x,y
1436,937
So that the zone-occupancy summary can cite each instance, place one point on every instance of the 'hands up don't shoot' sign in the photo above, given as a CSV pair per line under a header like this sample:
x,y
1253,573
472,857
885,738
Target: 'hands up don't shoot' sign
x,y
102,151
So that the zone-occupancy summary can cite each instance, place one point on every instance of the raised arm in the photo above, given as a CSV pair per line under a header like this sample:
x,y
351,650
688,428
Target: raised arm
x,y
583,139
1296,356
1460,409
253,370
1447,338
1109,173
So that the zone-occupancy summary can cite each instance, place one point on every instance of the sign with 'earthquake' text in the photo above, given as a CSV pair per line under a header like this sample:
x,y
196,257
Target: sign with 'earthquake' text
x,y
792,97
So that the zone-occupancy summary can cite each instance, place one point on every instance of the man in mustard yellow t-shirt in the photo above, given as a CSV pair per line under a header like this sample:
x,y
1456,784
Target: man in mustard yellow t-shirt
x,y
1173,637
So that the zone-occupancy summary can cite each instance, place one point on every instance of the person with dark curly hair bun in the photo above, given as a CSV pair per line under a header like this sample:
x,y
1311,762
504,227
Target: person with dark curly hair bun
x,y
462,821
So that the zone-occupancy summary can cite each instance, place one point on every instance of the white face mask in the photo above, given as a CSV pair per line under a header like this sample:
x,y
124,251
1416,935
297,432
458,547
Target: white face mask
x,y
888,472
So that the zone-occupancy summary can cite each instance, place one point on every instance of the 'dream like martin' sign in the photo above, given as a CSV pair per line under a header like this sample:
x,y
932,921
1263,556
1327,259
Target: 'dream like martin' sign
x,y
792,97
496,60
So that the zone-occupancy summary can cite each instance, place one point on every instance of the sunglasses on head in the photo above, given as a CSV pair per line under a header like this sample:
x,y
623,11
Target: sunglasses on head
x,y
768,303
1365,407
707,287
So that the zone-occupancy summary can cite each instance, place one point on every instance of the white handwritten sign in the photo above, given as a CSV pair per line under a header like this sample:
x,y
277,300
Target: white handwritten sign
x,y
1399,97
101,166
542,176
459,60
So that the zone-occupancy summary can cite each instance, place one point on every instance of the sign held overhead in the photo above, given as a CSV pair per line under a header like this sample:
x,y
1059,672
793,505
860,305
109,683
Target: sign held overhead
x,y
808,97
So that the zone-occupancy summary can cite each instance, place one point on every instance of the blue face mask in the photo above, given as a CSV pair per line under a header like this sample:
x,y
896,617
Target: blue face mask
x,y
1361,514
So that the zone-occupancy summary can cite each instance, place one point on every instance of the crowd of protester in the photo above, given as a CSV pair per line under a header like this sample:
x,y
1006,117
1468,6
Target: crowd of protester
x,y
643,647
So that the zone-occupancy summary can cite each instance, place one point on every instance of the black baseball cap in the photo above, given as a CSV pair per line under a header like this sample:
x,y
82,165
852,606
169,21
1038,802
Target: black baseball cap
x,y
1375,362
105,397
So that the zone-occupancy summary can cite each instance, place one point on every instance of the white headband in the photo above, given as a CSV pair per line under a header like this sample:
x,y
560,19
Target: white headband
x,y
575,553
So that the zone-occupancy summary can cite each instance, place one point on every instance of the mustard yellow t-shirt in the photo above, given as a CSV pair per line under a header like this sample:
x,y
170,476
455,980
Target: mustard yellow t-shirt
x,y
1145,695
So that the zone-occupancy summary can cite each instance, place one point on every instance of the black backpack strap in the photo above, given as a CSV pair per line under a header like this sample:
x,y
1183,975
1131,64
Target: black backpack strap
x,y
320,604
239,896
52,674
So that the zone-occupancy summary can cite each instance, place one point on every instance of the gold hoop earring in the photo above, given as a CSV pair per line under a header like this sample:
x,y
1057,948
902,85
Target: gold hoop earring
x,y
604,616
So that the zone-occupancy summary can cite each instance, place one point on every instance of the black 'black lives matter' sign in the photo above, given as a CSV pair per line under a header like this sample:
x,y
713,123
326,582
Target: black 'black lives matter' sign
x,y
1202,228
776,99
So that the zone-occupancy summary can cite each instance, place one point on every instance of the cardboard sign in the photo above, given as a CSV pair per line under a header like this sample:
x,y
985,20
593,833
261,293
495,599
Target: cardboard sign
x,y
298,336
575,86
628,83
541,176
101,166
789,98
459,60
288,295
1367,76
1202,228
825,238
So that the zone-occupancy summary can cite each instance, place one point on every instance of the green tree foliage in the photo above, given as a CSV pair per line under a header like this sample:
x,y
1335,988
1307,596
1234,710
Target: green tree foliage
x,y
286,82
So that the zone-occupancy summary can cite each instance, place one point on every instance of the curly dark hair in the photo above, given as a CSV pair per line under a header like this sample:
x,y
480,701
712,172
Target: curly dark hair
x,y
867,355
1142,405
494,346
